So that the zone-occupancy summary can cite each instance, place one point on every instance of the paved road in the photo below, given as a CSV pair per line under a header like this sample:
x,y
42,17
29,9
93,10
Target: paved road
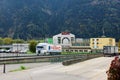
x,y
94,69
11,67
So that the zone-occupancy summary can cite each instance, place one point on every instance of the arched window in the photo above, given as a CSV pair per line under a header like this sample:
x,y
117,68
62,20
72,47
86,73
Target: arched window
x,y
65,40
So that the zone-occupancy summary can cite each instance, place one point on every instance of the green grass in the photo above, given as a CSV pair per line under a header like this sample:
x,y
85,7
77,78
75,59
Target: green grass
x,y
19,69
29,52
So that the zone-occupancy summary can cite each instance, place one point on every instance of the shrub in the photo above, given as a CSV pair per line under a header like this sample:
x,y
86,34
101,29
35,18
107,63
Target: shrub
x,y
32,46
22,67
114,71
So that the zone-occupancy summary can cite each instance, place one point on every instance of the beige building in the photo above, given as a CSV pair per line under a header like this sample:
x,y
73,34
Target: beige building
x,y
98,43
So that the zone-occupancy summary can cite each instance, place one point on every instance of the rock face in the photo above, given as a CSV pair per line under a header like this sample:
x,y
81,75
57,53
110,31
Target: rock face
x,y
114,70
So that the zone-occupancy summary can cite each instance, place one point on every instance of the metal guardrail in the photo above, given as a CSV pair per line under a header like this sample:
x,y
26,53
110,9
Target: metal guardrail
x,y
15,54
72,61
53,58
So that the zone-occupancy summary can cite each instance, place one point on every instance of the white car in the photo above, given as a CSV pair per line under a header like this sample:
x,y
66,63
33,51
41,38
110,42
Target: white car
x,y
2,50
8,51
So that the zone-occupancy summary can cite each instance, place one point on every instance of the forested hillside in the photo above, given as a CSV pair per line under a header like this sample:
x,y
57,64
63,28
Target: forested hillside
x,y
34,19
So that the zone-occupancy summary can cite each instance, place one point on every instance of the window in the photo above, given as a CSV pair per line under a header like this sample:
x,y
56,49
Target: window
x,y
71,50
110,40
97,39
76,50
97,46
85,51
72,39
39,46
59,40
80,50
67,50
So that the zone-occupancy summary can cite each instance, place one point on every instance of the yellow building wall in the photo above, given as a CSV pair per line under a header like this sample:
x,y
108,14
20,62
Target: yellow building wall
x,y
98,43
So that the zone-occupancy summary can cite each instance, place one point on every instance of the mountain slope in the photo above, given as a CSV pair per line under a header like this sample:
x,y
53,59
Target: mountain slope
x,y
28,19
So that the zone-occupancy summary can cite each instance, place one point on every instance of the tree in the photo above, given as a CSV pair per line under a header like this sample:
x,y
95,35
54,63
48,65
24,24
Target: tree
x,y
7,41
32,46
18,41
1,41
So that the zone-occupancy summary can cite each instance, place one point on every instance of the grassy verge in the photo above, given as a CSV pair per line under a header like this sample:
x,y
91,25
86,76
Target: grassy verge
x,y
19,69
29,52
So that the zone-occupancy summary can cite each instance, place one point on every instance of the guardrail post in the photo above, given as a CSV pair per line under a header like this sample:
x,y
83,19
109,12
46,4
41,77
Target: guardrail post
x,y
4,68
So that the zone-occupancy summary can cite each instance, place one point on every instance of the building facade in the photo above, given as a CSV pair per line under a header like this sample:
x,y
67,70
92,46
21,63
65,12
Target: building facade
x,y
81,42
22,48
64,39
77,49
99,43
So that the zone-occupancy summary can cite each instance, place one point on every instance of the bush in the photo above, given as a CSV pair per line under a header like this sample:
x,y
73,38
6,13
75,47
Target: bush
x,y
32,46
22,67
114,70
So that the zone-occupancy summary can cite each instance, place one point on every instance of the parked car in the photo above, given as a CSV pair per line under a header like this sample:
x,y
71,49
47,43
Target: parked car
x,y
2,50
8,51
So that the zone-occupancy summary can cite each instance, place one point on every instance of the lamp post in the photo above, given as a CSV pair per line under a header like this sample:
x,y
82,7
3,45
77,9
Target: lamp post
x,y
17,49
4,68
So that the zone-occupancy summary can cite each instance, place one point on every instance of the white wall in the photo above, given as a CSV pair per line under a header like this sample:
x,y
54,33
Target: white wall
x,y
65,40
20,47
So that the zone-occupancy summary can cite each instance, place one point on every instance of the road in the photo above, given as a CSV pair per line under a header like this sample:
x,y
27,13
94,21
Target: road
x,y
94,69
11,67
